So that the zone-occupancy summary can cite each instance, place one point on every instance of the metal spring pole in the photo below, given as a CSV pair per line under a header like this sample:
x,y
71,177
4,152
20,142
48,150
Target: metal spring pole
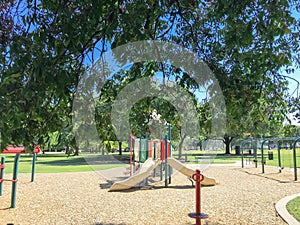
x,y
198,177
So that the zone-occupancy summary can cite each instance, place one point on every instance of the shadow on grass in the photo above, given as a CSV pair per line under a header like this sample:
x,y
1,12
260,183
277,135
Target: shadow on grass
x,y
64,162
81,160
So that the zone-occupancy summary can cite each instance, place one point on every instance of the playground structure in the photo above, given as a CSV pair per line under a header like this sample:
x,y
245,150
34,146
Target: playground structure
x,y
146,155
15,150
275,141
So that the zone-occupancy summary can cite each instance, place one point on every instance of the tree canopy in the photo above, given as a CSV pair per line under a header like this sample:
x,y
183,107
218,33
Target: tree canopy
x,y
47,45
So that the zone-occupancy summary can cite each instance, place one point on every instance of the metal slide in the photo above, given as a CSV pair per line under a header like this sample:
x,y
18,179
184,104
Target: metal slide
x,y
182,168
148,166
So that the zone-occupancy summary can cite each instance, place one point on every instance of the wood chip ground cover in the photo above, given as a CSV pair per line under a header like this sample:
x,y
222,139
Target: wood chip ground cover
x,y
244,196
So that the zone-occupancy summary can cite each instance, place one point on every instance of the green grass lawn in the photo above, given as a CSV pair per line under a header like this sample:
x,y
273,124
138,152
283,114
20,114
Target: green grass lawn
x,y
204,157
59,163
293,208
217,157
286,158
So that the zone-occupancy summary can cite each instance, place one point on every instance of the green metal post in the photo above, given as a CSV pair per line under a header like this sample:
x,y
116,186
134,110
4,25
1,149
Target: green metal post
x,y
169,167
166,161
140,146
14,184
161,171
242,148
33,167
147,147
170,173
255,152
2,173
133,155
262,156
169,137
279,157
295,158
154,157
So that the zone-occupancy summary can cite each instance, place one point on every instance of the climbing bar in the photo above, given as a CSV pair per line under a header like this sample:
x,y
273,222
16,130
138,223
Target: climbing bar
x,y
1,180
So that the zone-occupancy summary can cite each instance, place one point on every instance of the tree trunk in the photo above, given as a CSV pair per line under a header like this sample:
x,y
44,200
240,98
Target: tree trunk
x,y
180,146
76,153
67,150
227,140
120,147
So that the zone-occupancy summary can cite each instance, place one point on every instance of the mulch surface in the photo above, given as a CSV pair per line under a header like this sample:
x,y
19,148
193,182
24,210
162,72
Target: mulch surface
x,y
243,196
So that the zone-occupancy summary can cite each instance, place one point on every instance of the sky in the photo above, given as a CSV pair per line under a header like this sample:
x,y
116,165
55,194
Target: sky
x,y
293,85
296,74
295,92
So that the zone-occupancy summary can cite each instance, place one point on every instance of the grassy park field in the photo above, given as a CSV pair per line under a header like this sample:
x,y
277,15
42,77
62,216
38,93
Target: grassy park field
x,y
196,156
60,162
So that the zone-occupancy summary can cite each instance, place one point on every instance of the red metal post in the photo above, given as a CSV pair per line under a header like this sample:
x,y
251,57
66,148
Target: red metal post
x,y
198,197
198,177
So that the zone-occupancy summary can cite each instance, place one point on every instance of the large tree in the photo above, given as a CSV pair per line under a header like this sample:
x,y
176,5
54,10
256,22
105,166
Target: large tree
x,y
120,90
247,45
45,46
